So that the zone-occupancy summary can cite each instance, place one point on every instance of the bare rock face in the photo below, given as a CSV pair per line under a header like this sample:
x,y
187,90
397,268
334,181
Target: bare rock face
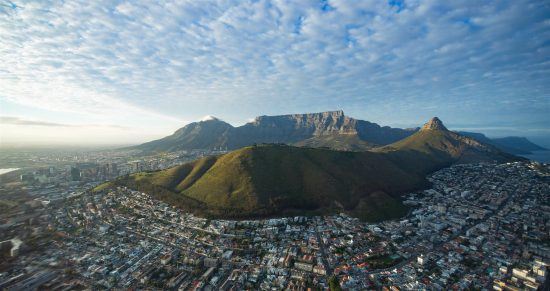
x,y
290,129
306,124
434,124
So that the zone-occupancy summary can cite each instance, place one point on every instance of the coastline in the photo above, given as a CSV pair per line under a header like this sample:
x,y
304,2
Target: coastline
x,y
539,156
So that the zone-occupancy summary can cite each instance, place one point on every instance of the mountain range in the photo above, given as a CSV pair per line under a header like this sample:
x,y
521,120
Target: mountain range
x,y
332,129
279,180
510,144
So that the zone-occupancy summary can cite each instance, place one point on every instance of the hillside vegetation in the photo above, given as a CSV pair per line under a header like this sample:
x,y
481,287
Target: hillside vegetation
x,y
433,147
279,180
272,180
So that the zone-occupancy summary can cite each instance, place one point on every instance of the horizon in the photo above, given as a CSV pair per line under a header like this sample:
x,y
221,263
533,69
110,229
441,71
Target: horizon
x,y
541,140
103,73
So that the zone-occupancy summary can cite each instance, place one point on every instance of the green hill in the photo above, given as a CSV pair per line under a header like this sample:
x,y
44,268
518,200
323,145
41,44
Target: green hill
x,y
281,180
340,142
434,147
272,180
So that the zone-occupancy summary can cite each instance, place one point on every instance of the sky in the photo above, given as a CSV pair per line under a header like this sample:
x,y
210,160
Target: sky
x,y
116,72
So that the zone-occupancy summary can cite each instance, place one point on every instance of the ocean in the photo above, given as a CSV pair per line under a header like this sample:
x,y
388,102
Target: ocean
x,y
539,156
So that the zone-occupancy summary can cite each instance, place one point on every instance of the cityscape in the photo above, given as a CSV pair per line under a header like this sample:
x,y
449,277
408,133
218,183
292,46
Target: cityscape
x,y
478,225
314,145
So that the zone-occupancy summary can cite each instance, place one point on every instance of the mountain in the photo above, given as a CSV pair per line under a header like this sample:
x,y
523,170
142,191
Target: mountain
x,y
339,142
274,180
511,144
434,146
282,180
327,129
516,144
206,134
331,129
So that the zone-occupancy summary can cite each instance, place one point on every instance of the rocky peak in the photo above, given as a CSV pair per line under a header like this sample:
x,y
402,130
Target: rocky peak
x,y
337,113
434,124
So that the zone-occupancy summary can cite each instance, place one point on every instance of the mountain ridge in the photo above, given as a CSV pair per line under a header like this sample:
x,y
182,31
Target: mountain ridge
x,y
289,129
329,129
436,140
511,144
280,180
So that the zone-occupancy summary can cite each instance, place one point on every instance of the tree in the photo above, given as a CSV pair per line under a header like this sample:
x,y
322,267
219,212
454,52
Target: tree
x,y
333,284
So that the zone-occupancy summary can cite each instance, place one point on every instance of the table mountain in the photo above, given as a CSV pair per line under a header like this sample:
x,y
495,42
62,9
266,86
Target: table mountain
x,y
331,129
280,180
288,129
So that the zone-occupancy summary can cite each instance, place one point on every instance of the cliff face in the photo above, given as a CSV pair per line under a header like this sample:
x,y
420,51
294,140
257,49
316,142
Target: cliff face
x,y
289,129
310,124
292,128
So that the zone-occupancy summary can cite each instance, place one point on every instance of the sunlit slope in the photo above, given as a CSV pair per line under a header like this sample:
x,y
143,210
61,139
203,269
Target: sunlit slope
x,y
277,180
434,147
340,142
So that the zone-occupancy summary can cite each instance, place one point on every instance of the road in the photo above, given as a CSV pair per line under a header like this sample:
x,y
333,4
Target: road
x,y
328,268
438,246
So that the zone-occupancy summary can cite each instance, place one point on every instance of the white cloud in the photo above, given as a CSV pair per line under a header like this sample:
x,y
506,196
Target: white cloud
x,y
244,58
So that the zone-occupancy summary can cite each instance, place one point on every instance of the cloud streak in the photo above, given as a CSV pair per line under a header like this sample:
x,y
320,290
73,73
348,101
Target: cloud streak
x,y
389,62
12,120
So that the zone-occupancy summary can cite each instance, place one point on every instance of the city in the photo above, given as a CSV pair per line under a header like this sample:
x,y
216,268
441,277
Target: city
x,y
306,145
480,225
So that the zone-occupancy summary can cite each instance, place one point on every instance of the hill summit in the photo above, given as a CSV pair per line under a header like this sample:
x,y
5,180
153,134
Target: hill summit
x,y
434,124
281,180
434,146
330,129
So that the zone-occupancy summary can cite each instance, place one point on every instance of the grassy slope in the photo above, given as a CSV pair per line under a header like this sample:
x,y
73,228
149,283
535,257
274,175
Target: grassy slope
x,y
341,142
429,150
278,180
270,180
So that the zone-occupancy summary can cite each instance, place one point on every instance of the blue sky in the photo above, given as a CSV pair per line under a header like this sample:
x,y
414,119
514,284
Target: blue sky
x,y
107,72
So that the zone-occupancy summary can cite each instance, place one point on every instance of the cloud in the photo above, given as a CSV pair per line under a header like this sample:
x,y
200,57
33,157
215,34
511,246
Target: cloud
x,y
11,120
18,121
390,62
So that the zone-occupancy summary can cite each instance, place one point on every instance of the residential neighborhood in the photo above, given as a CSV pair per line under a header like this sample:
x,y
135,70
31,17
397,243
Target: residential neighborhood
x,y
478,225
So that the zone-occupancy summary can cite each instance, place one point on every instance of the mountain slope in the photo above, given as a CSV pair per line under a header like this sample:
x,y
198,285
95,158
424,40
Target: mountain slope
x,y
280,180
208,134
331,129
517,145
340,142
511,144
289,129
434,146
283,180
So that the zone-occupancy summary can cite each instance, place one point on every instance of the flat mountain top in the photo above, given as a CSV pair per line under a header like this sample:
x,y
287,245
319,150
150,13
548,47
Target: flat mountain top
x,y
330,129
212,133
